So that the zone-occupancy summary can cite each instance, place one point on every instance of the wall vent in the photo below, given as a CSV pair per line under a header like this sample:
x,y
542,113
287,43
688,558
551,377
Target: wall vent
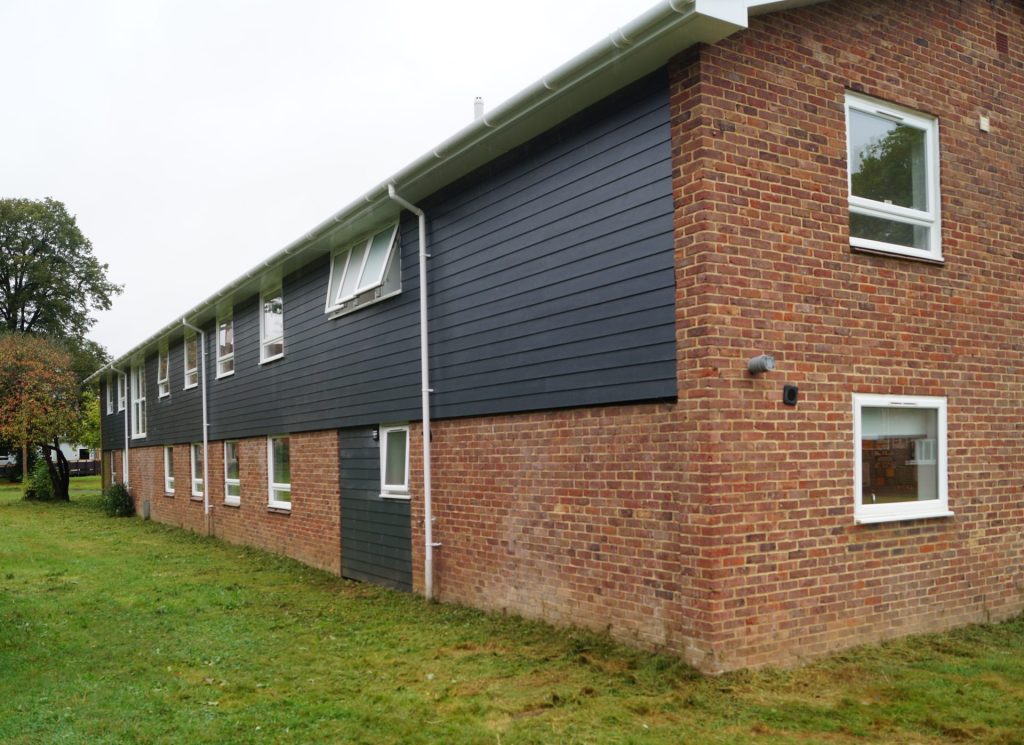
x,y
1002,43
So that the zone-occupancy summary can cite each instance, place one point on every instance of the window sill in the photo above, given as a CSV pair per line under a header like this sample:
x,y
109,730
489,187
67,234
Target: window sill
x,y
279,510
876,519
232,504
139,437
169,494
196,498
400,497
163,396
934,260
275,358
221,376
190,387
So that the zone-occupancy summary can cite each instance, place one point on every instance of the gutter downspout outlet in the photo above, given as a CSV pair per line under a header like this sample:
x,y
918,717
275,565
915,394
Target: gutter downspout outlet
x,y
428,520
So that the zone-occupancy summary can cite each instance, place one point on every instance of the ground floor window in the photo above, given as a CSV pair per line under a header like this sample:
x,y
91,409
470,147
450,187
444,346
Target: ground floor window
x,y
394,461
279,471
232,482
900,468
169,470
197,469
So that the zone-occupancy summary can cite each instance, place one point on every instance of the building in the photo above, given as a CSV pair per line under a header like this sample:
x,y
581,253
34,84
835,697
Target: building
x,y
835,184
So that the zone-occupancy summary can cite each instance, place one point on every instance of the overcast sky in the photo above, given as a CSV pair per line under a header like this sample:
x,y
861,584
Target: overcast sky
x,y
194,139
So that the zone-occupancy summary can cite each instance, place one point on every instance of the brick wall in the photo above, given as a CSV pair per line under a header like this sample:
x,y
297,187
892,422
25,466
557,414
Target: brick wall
x,y
765,266
309,532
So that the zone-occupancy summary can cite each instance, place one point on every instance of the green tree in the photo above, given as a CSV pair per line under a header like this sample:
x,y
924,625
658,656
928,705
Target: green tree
x,y
50,281
39,402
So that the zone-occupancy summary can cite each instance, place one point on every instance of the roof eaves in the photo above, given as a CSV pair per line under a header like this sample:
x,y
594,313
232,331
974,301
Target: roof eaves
x,y
632,51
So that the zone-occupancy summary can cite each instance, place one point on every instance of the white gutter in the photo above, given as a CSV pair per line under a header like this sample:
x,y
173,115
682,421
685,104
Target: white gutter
x,y
428,526
127,405
634,50
206,423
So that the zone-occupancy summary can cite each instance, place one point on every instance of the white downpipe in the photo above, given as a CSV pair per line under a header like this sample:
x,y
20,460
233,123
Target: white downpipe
x,y
127,406
206,424
428,528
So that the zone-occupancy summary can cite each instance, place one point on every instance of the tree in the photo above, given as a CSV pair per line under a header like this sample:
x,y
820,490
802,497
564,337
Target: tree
x,y
50,281
39,402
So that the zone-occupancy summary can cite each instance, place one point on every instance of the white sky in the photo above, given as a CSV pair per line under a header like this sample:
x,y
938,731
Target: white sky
x,y
192,139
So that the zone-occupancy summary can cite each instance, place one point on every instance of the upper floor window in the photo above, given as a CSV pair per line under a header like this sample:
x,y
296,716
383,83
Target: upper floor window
x,y
364,272
900,457
110,395
225,345
163,373
139,400
893,157
191,360
121,381
271,324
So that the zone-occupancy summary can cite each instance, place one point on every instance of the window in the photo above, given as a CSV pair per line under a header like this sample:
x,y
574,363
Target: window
x,y
279,472
394,461
191,360
893,178
225,345
271,325
110,395
232,483
168,470
139,401
197,469
364,272
163,373
121,381
84,454
900,461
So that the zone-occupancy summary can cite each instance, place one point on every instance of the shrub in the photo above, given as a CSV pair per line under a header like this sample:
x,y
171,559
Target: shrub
x,y
117,501
39,485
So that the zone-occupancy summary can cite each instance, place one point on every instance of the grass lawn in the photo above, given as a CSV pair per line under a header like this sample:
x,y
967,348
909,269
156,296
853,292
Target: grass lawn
x,y
115,630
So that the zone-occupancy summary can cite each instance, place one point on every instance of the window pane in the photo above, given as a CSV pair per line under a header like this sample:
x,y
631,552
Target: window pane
x,y
234,490
888,161
374,270
888,231
162,366
231,460
899,454
273,317
394,472
225,338
282,461
197,459
282,495
355,265
191,353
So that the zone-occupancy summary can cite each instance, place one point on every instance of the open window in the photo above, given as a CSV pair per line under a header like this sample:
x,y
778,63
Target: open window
x,y
893,157
364,272
900,469
163,372
271,324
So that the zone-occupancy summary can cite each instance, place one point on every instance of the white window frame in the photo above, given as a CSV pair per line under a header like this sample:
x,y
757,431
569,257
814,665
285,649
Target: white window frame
x,y
168,469
340,261
930,218
138,393
273,487
110,394
122,383
880,513
223,360
163,372
275,291
393,491
195,452
191,373
230,499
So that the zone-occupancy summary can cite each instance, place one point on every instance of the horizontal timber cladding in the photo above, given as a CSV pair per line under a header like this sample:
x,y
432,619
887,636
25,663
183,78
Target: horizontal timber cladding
x,y
551,286
376,535
111,425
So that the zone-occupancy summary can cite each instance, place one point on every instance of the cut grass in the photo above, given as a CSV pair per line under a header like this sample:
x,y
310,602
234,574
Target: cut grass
x,y
115,630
